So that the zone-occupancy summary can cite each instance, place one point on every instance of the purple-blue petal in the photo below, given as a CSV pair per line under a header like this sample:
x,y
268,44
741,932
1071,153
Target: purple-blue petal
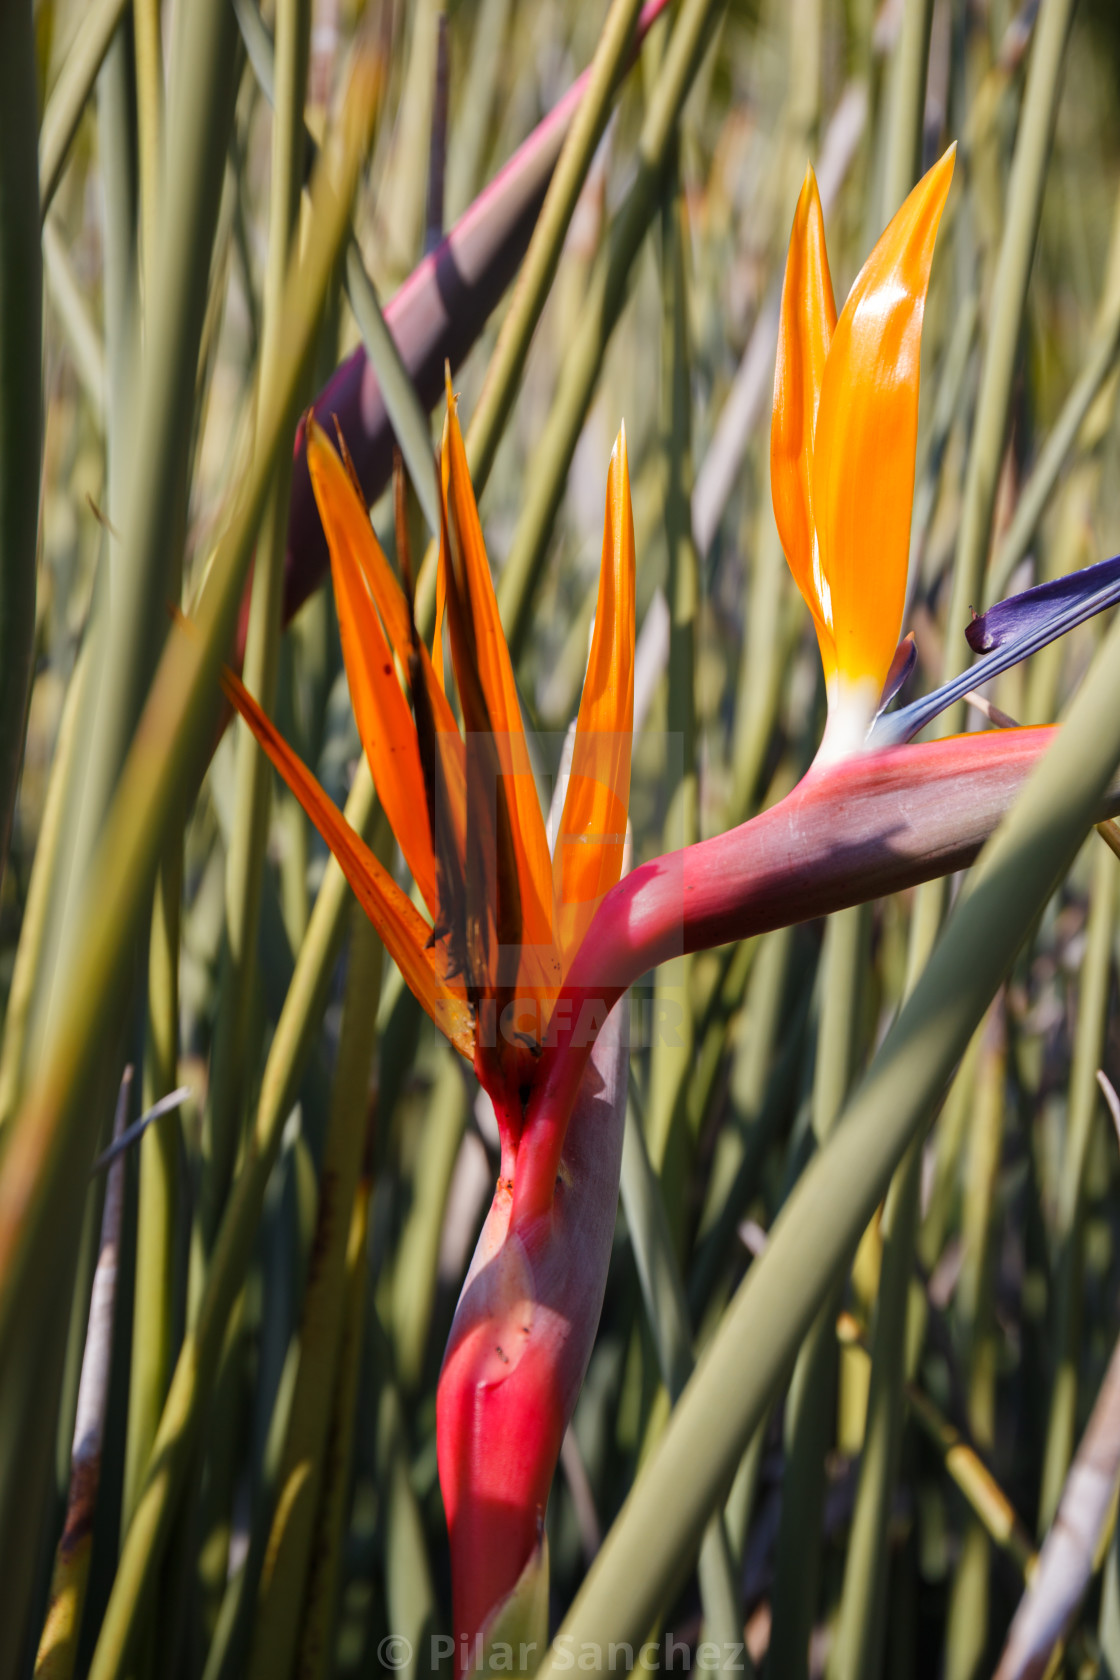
x,y
1006,634
1056,606
905,658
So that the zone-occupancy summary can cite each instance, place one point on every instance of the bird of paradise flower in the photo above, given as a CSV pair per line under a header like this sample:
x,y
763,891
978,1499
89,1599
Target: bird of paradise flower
x,y
523,949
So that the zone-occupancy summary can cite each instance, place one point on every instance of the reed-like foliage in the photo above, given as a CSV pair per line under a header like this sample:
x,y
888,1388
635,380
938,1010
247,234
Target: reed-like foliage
x,y
851,1394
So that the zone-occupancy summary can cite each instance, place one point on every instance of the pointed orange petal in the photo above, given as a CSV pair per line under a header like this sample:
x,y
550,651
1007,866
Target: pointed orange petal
x,y
808,320
441,587
389,599
380,708
500,692
361,577
588,857
403,931
381,580
867,427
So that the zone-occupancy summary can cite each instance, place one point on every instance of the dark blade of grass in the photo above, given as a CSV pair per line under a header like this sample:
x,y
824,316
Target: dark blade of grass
x,y
158,1211
437,146
132,1134
822,1220
21,329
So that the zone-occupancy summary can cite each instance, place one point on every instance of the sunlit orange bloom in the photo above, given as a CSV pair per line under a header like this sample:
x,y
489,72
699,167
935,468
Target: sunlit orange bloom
x,y
843,440
504,917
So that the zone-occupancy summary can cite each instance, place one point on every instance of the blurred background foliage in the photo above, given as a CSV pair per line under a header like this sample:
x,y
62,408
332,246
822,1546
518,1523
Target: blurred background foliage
x,y
1009,1306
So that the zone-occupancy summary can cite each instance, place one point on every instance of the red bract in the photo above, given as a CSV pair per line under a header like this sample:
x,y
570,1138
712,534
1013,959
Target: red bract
x,y
520,1343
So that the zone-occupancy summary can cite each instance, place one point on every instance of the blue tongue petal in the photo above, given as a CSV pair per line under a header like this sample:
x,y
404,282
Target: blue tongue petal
x,y
905,658
1004,635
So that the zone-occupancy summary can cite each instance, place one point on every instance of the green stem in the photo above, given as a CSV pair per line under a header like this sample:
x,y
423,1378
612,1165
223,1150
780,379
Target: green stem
x,y
150,434
232,1058
316,1641
71,90
42,1173
288,1555
416,1264
157,1203
1084,1098
810,1406
858,1646
36,910
667,1312
1005,318
547,474
188,1395
1055,451
503,375
83,340
149,113
966,1633
762,1085
907,106
21,328
672,1051
410,1601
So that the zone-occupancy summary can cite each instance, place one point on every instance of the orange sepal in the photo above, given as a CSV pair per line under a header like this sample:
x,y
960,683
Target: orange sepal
x,y
806,326
441,585
867,427
389,599
495,675
402,929
587,860
384,720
